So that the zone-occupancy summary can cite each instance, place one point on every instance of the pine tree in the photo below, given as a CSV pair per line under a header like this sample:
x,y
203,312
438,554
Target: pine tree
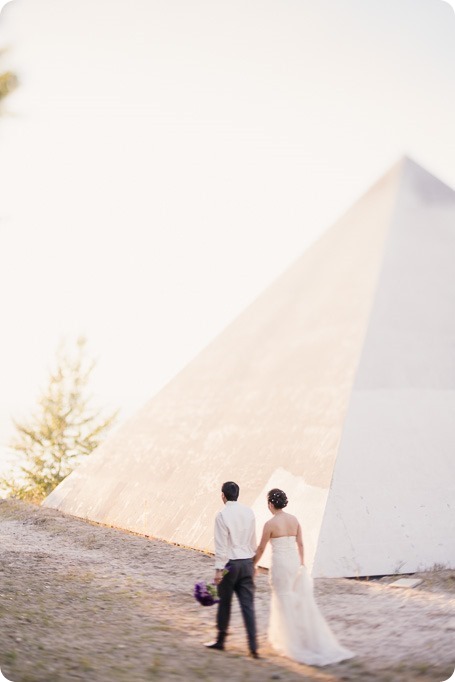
x,y
63,430
8,82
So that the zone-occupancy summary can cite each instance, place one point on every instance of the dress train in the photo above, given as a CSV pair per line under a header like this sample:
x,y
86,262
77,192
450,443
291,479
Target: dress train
x,y
297,628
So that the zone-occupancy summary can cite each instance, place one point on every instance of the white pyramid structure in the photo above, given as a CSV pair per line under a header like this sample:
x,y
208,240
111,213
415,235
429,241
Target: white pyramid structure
x,y
337,385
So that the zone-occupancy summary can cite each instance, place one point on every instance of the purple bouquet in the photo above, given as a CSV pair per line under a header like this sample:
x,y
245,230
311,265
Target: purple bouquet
x,y
206,594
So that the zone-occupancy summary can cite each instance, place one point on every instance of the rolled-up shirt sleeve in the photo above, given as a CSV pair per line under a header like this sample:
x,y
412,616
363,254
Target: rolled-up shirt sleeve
x,y
221,542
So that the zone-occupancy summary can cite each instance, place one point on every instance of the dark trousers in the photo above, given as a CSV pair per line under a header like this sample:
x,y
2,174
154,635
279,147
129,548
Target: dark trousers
x,y
239,579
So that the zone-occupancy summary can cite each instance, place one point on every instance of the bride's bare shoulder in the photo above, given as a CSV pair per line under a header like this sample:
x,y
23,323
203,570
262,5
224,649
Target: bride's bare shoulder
x,y
292,518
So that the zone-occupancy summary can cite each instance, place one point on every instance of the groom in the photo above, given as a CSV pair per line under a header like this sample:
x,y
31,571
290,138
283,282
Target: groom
x,y
235,543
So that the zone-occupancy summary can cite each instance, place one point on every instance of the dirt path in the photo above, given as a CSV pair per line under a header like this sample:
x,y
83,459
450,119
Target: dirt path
x,y
84,602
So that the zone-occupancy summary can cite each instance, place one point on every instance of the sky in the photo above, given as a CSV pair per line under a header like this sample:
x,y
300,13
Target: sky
x,y
162,162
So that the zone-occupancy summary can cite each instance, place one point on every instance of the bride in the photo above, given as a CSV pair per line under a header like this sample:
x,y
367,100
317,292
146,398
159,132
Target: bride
x,y
297,628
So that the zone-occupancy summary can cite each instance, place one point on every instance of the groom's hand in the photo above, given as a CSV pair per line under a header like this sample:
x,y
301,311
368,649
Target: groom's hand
x,y
218,576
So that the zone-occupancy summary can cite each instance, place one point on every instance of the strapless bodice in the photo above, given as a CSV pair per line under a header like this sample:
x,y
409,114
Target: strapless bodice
x,y
283,539
283,543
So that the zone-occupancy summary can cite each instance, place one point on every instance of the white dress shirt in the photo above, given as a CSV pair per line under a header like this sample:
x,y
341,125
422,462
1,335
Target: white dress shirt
x,y
235,533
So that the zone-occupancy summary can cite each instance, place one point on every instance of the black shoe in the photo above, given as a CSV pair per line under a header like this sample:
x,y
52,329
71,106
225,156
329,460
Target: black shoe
x,y
254,654
215,645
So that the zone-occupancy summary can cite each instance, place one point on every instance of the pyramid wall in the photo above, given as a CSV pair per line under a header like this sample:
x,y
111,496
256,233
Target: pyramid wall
x,y
275,399
391,506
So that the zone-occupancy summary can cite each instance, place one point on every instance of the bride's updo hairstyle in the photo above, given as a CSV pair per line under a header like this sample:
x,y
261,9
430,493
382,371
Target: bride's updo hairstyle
x,y
278,498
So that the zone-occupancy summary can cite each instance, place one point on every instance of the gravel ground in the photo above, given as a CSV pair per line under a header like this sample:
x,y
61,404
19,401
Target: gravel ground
x,y
79,601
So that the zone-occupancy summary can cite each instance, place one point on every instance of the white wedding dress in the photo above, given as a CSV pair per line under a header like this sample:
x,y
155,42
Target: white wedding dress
x,y
297,628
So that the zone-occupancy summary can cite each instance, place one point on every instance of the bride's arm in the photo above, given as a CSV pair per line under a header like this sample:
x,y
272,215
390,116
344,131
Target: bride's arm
x,y
262,545
299,541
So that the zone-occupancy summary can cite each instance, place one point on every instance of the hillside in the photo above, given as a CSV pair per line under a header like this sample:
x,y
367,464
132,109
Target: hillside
x,y
80,601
